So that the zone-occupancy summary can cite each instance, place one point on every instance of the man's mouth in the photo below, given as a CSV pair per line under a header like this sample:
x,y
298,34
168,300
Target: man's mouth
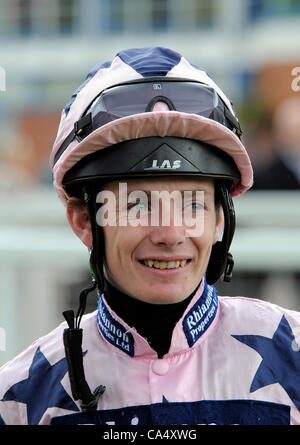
x,y
158,264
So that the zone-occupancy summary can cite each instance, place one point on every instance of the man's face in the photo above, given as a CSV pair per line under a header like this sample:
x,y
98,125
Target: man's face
x,y
161,263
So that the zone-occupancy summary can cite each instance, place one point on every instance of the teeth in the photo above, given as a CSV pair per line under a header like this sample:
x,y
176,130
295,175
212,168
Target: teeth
x,y
165,264
171,264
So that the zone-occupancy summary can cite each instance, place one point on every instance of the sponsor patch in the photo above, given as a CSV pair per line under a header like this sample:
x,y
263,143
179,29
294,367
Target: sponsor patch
x,y
113,331
200,316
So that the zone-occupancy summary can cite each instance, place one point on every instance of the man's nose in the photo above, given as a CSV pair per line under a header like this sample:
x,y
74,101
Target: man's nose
x,y
169,235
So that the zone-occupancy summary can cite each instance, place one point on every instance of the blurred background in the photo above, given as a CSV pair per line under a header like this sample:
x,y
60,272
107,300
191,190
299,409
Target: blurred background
x,y
250,47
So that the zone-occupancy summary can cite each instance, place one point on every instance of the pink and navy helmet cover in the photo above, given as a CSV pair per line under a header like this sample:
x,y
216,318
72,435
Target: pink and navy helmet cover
x,y
136,64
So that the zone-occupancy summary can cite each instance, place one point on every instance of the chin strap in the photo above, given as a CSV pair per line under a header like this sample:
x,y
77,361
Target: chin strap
x,y
72,338
221,260
97,251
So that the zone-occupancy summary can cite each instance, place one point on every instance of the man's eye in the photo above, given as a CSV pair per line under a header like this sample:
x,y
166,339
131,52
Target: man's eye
x,y
195,206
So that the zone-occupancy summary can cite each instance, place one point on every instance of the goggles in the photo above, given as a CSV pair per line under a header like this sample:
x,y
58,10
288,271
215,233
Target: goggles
x,y
140,96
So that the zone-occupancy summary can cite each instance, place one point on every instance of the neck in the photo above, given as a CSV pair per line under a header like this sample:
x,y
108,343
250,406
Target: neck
x,y
155,322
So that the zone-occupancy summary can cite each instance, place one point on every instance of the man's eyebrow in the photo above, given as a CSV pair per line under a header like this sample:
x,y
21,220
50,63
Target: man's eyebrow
x,y
147,192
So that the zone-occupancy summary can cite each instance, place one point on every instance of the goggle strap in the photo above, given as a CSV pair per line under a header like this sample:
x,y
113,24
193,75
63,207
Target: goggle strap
x,y
78,128
82,123
233,120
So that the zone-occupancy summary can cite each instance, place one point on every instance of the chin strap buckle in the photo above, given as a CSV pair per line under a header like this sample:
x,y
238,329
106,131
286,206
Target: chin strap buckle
x,y
228,268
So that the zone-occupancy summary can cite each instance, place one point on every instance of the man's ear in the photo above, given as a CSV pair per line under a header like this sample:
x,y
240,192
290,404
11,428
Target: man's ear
x,y
79,221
